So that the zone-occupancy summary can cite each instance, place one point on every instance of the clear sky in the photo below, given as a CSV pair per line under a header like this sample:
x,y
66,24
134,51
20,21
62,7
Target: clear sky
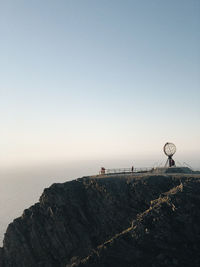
x,y
95,79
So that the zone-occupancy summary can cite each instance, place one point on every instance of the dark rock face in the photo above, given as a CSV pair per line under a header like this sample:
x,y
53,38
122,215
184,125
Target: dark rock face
x,y
167,234
113,221
1,257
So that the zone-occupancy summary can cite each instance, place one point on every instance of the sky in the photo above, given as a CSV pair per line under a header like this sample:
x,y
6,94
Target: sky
x,y
98,80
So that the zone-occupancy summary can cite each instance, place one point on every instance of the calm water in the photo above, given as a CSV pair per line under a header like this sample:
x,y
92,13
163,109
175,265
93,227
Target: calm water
x,y
21,187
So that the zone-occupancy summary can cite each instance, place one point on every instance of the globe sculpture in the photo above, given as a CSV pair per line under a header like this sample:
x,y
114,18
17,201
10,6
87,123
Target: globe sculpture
x,y
169,150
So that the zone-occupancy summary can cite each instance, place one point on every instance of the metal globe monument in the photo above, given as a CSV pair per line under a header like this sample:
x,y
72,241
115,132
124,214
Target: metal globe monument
x,y
169,150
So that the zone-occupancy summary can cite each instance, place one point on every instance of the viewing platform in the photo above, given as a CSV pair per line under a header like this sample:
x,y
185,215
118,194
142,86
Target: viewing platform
x,y
170,166
105,171
155,170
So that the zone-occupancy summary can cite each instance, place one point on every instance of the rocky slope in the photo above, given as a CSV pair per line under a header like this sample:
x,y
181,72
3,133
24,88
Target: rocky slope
x,y
109,221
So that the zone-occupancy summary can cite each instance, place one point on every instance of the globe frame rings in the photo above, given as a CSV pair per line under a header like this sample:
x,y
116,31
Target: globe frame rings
x,y
169,149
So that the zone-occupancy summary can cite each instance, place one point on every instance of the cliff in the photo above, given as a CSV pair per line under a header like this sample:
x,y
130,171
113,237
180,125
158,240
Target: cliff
x,y
109,221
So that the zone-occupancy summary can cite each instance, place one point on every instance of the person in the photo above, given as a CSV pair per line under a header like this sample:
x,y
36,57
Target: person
x,y
103,170
132,169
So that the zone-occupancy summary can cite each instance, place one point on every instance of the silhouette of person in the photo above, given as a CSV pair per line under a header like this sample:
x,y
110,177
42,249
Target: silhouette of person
x,y
103,170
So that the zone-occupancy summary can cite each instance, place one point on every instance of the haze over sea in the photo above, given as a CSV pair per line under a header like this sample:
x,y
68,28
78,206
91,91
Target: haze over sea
x,y
21,187
91,83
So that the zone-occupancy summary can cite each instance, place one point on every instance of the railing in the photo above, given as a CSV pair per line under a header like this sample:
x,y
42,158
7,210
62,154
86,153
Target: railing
x,y
124,170
121,171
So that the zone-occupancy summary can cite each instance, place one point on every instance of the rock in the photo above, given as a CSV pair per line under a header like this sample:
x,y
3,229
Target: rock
x,y
112,221
172,239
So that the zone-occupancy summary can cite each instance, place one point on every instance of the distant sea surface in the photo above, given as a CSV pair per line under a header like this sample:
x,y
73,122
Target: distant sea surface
x,y
21,187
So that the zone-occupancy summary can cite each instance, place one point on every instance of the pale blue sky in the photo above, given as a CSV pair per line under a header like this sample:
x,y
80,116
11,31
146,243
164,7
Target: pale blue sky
x,y
85,79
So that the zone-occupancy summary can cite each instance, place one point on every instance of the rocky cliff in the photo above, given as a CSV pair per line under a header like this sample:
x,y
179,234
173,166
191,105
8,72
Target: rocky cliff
x,y
109,221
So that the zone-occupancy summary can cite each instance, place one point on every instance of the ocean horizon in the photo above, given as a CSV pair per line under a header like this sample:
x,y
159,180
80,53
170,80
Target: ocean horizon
x,y
21,187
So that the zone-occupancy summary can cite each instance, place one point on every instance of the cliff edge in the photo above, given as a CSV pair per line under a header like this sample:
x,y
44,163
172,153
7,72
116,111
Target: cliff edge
x,y
150,220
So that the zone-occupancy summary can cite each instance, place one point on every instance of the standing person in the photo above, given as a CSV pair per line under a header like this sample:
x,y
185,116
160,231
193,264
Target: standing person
x,y
103,170
132,169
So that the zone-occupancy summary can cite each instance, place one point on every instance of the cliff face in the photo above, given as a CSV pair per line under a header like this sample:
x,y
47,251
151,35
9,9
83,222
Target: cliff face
x,y
166,234
125,221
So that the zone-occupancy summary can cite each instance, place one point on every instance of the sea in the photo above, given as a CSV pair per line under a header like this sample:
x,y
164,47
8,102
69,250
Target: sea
x,y
21,186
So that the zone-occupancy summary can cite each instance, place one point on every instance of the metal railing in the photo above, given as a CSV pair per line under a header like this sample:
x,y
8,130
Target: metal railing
x,y
125,170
